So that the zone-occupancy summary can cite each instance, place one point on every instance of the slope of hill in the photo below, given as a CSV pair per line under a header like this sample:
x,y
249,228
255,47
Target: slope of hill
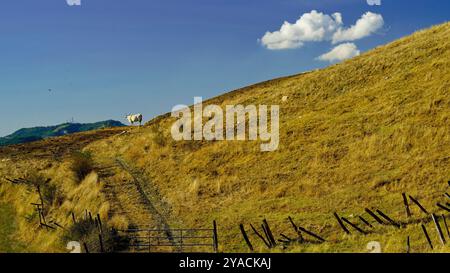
x,y
37,133
355,135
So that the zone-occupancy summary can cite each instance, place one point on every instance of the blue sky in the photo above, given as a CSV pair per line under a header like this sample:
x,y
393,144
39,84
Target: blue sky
x,y
106,58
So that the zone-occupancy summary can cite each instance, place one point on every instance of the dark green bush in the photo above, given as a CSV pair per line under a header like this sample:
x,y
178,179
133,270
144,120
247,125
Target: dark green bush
x,y
82,164
49,192
86,231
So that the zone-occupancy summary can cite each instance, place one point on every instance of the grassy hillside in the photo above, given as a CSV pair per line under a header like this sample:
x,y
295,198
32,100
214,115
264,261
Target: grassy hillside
x,y
355,135
7,226
37,133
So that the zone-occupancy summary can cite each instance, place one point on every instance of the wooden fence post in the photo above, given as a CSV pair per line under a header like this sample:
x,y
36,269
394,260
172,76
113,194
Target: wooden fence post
x,y
374,216
99,223
38,188
286,237
418,204
86,248
312,234
73,218
244,234
58,225
427,236
354,226
260,236
300,236
340,223
263,227
388,218
365,221
40,217
447,195
443,207
438,228
405,201
408,245
269,232
215,238
101,243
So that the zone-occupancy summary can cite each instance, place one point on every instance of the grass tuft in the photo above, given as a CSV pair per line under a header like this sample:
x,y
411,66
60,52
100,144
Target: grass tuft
x,y
82,164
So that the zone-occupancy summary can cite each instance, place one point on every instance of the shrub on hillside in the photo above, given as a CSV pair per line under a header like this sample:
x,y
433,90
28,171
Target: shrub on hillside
x,y
35,179
49,191
158,137
82,164
51,194
87,232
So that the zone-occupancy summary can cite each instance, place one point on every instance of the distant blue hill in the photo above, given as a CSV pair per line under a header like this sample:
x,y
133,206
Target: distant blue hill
x,y
37,133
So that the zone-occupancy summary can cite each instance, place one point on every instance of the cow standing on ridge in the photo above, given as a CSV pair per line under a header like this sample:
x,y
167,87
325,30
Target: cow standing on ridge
x,y
134,118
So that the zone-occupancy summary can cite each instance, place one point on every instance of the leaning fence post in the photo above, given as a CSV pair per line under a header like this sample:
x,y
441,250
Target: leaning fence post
x,y
40,217
340,223
388,218
354,226
408,245
405,201
263,227
374,216
427,236
244,234
418,204
99,222
40,196
260,236
269,232
447,195
90,217
85,248
215,238
312,234
73,218
101,243
443,207
300,236
365,221
438,228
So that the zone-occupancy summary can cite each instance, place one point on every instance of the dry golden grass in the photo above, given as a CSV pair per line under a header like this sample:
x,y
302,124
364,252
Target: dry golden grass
x,y
76,197
353,135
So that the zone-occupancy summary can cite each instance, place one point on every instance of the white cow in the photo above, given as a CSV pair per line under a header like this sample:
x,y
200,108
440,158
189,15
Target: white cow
x,y
134,118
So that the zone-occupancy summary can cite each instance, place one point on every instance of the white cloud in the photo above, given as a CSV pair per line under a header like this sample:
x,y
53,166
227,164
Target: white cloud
x,y
73,2
374,2
311,27
365,26
317,27
340,53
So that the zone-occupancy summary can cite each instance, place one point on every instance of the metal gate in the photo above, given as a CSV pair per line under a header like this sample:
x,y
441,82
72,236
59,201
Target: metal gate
x,y
173,240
